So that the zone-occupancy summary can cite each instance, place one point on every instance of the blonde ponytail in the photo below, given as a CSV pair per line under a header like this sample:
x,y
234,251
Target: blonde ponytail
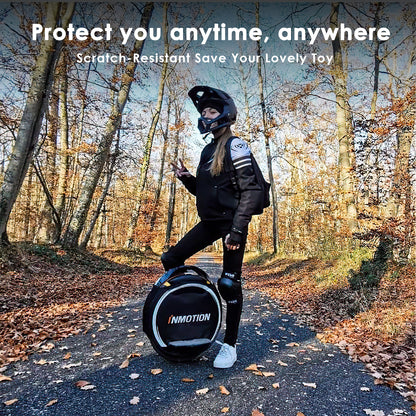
x,y
219,154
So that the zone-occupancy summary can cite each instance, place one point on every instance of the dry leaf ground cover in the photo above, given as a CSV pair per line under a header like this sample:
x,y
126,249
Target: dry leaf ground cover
x,y
374,325
47,293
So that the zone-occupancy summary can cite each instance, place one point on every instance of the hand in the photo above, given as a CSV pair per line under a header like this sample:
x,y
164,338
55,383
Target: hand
x,y
180,170
232,242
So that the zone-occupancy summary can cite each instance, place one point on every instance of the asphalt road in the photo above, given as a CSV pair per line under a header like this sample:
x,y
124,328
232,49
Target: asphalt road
x,y
296,373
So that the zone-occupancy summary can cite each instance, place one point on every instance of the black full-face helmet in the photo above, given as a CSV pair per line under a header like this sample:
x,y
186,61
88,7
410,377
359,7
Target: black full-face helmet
x,y
203,97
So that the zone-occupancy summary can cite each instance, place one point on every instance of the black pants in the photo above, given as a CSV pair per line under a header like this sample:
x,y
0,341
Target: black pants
x,y
199,237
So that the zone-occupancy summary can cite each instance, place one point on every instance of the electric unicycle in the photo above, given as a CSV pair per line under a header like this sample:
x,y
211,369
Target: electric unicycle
x,y
182,314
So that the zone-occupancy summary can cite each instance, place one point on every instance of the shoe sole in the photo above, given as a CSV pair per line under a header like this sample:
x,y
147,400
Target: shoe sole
x,y
228,366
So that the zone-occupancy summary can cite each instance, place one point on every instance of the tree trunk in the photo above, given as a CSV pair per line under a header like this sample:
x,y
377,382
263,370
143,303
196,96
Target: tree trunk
x,y
247,119
64,140
344,131
267,142
172,189
111,167
400,197
377,61
171,213
76,141
162,168
93,173
26,221
32,117
149,142
46,230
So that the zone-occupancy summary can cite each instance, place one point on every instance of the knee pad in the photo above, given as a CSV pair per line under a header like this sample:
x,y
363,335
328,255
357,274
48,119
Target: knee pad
x,y
169,261
229,286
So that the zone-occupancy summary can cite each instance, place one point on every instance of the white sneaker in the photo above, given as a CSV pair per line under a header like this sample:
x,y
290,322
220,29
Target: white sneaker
x,y
226,357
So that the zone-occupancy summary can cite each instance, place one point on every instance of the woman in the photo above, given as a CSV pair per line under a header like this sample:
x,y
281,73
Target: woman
x,y
226,193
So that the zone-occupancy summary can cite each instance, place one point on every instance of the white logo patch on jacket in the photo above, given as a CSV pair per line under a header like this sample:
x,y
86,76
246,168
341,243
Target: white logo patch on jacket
x,y
240,153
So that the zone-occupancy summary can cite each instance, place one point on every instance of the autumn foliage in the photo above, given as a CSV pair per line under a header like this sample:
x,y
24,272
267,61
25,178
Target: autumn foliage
x,y
374,325
48,294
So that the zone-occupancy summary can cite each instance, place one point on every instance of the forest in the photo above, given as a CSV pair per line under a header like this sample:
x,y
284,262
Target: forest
x,y
86,144
92,155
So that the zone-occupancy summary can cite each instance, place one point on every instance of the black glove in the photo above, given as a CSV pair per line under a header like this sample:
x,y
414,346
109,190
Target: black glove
x,y
236,237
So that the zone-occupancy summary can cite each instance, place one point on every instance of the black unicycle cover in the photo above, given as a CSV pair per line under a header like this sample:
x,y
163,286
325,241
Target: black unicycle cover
x,y
182,314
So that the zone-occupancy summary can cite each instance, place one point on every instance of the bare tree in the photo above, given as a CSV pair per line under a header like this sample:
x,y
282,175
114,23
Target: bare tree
x,y
93,174
267,141
31,122
344,130
46,229
172,186
64,137
101,201
162,166
150,136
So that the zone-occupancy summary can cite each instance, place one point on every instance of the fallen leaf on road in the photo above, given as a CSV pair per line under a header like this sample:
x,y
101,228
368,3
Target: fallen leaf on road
x,y
140,344
88,387
257,373
268,374
135,400
10,402
225,410
223,390
252,367
370,412
313,385
311,347
133,376
41,362
276,385
156,371
188,380
52,402
134,355
72,365
300,414
292,344
282,363
211,376
82,383
5,378
67,356
202,391
256,412
102,328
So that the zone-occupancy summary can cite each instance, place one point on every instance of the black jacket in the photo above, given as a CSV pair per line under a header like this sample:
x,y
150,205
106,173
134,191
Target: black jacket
x,y
216,196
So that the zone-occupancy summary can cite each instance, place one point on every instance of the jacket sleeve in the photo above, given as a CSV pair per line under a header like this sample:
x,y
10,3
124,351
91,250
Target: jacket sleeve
x,y
189,183
250,190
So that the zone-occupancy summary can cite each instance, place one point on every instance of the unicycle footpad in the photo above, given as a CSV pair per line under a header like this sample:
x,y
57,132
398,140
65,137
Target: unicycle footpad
x,y
182,314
